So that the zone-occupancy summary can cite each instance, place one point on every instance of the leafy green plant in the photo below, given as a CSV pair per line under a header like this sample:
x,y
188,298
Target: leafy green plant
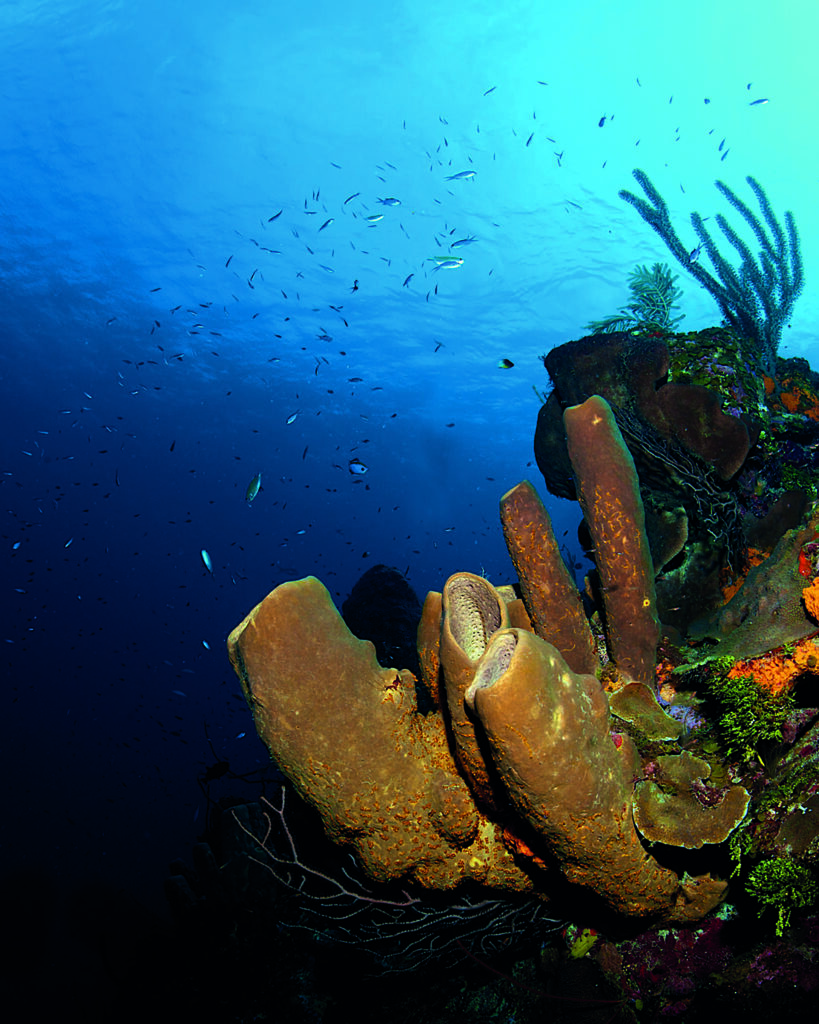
x,y
784,886
653,300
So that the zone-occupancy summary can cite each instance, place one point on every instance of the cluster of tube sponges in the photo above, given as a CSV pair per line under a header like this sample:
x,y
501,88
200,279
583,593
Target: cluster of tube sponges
x,y
525,774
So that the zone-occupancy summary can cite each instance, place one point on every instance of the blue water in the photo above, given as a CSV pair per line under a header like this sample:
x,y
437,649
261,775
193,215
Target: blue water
x,y
161,325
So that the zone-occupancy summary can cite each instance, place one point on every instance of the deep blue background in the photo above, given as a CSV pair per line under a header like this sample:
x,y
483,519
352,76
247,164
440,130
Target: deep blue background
x,y
154,348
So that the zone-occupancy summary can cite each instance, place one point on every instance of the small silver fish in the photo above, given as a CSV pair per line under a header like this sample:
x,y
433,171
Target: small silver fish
x,y
206,560
461,176
291,419
449,264
253,488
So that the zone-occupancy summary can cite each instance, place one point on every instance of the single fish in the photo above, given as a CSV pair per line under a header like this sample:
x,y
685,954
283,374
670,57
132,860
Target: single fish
x,y
461,176
463,241
275,216
291,419
492,89
206,560
327,223
407,280
357,467
449,264
756,103
349,199
505,364
389,201
374,218
253,488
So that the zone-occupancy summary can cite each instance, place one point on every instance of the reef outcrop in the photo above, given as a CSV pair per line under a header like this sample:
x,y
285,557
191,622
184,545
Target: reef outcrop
x,y
519,772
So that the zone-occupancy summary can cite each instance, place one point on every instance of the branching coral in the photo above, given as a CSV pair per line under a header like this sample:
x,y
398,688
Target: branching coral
x,y
756,297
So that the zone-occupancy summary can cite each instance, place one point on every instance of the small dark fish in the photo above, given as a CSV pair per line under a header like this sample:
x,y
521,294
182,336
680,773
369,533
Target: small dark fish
x,y
389,201
719,149
349,199
602,121
407,280
327,223
355,286
756,103
173,445
727,151
530,138
160,287
491,89
227,261
505,364
275,215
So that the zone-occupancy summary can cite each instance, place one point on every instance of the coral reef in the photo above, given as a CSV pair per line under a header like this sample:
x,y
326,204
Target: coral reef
x,y
724,470
620,752
521,765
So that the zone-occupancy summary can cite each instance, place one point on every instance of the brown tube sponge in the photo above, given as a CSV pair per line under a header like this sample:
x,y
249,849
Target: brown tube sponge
x,y
566,775
472,611
613,509
549,593
347,734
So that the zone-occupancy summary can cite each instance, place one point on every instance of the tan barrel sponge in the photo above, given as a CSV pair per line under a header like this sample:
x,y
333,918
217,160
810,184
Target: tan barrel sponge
x,y
548,589
609,495
472,611
347,734
566,775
